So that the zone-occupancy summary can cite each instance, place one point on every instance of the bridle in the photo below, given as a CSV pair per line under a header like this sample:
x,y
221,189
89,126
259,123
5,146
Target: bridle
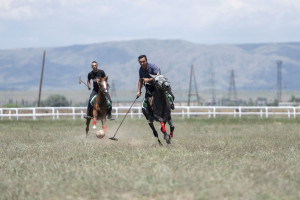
x,y
161,82
105,85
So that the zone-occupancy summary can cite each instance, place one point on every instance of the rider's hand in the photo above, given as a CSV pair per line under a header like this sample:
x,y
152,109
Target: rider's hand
x,y
146,80
138,94
89,88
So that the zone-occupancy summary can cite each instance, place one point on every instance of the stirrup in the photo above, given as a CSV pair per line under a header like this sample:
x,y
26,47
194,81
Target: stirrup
x,y
87,117
172,106
110,117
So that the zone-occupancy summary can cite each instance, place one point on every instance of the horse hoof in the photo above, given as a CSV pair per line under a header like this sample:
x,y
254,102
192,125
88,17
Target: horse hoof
x,y
167,138
94,127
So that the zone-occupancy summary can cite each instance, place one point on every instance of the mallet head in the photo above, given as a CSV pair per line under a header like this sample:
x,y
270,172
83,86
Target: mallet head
x,y
113,138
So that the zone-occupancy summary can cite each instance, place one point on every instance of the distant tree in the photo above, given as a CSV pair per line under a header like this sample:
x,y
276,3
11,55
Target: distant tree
x,y
11,105
250,102
294,99
275,103
56,100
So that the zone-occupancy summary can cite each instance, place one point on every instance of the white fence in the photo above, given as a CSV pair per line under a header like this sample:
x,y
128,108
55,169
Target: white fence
x,y
183,111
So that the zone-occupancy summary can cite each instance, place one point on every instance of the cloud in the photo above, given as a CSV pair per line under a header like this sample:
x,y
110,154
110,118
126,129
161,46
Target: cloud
x,y
80,21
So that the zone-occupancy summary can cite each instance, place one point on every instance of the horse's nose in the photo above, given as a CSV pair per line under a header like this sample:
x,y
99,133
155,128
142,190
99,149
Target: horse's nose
x,y
167,85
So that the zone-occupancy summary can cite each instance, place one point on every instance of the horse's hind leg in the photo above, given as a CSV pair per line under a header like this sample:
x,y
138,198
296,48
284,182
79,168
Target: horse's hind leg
x,y
155,133
87,127
172,128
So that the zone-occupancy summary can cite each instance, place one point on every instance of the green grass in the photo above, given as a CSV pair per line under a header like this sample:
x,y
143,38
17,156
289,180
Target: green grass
x,y
223,158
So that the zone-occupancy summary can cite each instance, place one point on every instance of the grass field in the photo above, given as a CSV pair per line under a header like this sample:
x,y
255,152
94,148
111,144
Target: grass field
x,y
223,158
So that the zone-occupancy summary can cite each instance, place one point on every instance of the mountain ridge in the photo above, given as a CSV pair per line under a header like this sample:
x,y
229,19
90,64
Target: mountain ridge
x,y
254,65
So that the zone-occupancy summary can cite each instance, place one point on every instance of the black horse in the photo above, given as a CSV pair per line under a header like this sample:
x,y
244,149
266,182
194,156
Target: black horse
x,y
158,107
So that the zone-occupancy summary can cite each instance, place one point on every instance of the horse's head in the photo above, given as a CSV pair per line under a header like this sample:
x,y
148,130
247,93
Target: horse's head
x,y
103,85
161,82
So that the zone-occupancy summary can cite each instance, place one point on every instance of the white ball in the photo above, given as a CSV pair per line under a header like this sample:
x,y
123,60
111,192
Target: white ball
x,y
100,134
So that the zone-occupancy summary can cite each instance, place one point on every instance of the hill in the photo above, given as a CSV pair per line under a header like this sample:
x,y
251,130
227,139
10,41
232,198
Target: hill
x,y
254,64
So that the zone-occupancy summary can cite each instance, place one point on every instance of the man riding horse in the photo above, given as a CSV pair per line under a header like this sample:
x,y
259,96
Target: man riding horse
x,y
95,75
158,100
145,72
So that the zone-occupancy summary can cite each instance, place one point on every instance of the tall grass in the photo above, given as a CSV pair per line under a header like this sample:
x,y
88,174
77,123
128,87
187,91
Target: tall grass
x,y
219,158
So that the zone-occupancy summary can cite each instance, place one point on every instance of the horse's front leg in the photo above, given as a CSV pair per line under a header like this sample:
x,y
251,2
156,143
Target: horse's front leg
x,y
103,120
95,114
163,129
155,133
87,127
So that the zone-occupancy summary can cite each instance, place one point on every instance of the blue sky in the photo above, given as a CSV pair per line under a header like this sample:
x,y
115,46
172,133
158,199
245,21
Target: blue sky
x,y
54,23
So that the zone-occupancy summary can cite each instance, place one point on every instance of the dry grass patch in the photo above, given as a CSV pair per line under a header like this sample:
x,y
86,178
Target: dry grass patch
x,y
221,158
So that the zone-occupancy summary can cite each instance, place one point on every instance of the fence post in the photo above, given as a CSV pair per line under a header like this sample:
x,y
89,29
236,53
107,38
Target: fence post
x,y
234,113
139,112
294,112
17,113
209,116
267,114
1,113
117,112
188,112
9,112
81,114
182,112
131,113
289,114
214,109
53,114
57,114
261,113
73,110
33,114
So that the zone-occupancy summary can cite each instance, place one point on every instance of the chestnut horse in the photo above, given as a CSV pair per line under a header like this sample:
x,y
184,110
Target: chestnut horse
x,y
99,104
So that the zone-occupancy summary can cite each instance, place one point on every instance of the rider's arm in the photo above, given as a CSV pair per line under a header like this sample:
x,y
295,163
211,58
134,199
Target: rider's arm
x,y
88,84
88,81
140,85
147,80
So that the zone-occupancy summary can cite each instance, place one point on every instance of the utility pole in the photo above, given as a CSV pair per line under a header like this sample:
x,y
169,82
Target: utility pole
x,y
192,74
41,80
213,91
279,63
232,91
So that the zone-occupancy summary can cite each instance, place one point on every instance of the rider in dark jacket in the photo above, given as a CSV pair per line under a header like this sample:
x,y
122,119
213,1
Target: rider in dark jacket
x,y
94,75
145,79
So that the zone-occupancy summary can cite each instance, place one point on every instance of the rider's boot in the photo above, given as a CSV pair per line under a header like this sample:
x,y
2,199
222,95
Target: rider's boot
x,y
88,112
172,106
109,115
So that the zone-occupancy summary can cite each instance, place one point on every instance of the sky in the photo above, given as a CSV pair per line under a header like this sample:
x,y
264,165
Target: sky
x,y
55,23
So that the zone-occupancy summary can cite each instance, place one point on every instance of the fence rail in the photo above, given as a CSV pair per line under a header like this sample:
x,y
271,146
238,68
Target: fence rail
x,y
183,111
